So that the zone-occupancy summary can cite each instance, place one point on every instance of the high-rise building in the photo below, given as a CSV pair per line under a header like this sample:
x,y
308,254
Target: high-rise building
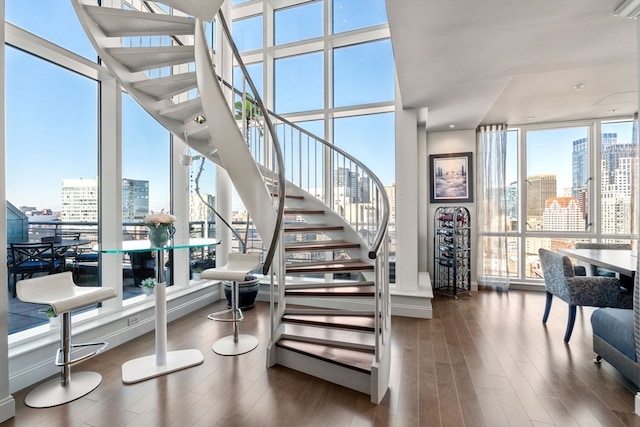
x,y
580,177
345,184
391,195
618,163
135,199
539,189
80,200
198,210
562,214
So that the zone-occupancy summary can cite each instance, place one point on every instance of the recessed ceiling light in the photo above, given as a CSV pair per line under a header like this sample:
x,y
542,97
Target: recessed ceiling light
x,y
452,125
614,110
531,117
578,87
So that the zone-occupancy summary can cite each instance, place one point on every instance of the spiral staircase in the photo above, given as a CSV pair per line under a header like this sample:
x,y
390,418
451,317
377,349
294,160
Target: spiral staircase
x,y
325,240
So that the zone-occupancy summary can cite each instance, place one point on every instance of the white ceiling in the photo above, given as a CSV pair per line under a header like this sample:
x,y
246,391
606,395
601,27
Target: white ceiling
x,y
472,62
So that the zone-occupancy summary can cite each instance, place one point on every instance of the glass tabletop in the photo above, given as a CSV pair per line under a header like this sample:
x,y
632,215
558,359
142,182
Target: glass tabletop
x,y
145,246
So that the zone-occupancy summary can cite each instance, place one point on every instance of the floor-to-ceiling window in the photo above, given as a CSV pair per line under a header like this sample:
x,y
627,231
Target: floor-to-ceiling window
x,y
53,109
51,147
569,183
145,186
54,21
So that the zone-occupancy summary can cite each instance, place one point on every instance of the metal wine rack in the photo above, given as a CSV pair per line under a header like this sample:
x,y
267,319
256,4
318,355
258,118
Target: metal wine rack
x,y
452,251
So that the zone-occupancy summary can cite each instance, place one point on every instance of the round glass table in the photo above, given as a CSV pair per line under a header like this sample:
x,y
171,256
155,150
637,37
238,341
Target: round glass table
x,y
163,361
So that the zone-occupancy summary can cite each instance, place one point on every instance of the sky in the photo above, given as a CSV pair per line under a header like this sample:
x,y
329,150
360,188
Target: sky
x,y
549,151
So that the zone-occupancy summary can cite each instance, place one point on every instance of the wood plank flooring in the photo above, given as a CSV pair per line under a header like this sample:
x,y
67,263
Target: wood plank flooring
x,y
484,360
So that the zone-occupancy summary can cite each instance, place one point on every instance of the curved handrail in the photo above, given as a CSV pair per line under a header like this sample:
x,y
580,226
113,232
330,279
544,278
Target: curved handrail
x,y
384,216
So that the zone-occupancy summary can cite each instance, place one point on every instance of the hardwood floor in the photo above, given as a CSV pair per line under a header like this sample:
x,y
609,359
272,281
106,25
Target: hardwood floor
x,y
486,360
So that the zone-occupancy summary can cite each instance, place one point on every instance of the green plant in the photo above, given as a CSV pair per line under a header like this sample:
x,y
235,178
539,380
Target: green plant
x,y
250,112
197,270
50,313
149,282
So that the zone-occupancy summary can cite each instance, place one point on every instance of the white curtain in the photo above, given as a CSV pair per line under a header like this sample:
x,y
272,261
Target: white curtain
x,y
491,247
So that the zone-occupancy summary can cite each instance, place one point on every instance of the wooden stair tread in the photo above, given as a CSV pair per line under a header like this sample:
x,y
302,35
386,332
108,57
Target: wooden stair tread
x,y
306,228
339,291
289,196
349,358
329,266
320,245
302,211
363,323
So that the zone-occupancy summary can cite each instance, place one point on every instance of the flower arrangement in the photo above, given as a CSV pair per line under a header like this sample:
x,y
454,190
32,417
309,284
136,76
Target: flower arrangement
x,y
159,219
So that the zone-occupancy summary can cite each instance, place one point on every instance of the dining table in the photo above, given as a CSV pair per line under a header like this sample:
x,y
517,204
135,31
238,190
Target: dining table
x,y
622,261
162,361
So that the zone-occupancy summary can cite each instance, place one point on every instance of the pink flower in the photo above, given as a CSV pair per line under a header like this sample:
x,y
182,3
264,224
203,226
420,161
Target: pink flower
x,y
159,219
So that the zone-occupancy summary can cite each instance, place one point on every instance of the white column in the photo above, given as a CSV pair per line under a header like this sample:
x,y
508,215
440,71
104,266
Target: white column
x,y
180,208
407,208
110,187
7,403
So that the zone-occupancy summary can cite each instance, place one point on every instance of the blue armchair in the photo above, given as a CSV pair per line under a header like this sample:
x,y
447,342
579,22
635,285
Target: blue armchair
x,y
561,281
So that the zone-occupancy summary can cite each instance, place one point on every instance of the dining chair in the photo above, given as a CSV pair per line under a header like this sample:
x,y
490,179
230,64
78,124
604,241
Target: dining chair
x,y
28,259
561,281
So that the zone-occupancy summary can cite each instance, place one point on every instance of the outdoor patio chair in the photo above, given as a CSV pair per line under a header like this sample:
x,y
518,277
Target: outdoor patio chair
x,y
28,259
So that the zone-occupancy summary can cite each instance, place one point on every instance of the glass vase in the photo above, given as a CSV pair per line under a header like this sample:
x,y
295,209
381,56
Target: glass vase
x,y
160,236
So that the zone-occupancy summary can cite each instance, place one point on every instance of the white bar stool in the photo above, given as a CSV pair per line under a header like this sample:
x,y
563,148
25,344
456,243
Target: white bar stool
x,y
63,296
235,270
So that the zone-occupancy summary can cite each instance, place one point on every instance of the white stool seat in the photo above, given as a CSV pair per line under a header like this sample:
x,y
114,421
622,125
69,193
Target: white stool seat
x,y
235,270
62,295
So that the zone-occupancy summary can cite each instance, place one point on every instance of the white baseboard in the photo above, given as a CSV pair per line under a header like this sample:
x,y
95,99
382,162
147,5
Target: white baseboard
x,y
7,408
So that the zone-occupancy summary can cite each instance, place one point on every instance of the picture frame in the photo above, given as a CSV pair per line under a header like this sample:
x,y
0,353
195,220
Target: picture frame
x,y
451,178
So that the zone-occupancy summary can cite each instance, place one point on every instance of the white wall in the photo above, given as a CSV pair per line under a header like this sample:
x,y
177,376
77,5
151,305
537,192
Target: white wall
x,y
443,143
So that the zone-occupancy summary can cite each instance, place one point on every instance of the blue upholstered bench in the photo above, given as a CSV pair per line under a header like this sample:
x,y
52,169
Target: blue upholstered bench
x,y
613,341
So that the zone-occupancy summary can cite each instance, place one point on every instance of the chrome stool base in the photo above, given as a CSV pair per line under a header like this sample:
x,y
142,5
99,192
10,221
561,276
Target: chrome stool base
x,y
53,393
228,346
236,269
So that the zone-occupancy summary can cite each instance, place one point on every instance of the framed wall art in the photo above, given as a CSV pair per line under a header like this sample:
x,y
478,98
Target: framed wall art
x,y
451,177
